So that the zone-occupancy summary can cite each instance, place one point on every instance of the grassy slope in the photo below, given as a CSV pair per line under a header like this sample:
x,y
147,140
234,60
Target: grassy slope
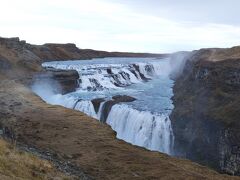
x,y
16,164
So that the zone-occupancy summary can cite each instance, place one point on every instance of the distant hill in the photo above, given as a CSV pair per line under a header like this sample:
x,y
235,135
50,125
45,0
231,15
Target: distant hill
x,y
18,58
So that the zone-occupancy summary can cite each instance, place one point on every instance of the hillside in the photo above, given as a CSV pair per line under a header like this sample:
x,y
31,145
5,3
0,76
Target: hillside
x,y
19,165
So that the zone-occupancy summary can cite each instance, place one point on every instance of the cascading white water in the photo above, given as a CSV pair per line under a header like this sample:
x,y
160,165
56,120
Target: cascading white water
x,y
99,113
142,128
133,124
107,76
86,107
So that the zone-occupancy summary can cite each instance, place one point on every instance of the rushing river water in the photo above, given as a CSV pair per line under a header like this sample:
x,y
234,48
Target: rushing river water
x,y
144,122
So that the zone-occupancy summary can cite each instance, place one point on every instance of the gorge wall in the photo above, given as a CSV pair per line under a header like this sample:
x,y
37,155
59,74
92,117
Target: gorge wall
x,y
205,119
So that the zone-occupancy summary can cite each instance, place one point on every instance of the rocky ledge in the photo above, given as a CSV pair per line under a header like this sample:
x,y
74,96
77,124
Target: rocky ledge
x,y
206,116
65,81
108,104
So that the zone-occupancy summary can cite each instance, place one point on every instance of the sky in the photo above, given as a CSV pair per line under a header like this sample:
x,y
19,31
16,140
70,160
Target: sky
x,y
158,26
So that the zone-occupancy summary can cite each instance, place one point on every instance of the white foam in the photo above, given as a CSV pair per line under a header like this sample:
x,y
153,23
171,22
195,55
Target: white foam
x,y
142,128
95,76
86,107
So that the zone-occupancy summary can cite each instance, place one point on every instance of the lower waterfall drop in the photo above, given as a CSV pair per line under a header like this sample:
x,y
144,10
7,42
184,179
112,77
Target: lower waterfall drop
x,y
86,107
142,128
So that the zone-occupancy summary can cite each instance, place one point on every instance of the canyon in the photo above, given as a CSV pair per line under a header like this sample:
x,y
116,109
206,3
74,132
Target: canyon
x,y
204,118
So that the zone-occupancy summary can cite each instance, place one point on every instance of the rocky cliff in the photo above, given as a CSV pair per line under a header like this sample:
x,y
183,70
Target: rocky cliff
x,y
64,81
206,116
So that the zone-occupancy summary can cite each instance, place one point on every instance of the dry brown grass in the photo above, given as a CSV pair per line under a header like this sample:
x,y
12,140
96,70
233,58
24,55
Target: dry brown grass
x,y
16,164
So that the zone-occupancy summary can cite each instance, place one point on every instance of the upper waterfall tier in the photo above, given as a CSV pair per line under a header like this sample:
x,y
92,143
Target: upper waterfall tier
x,y
97,77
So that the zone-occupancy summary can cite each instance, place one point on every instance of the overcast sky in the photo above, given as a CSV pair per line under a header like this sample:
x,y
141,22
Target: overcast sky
x,y
124,25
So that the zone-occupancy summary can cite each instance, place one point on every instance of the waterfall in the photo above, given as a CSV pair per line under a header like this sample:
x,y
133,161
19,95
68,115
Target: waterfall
x,y
86,107
142,128
98,77
99,113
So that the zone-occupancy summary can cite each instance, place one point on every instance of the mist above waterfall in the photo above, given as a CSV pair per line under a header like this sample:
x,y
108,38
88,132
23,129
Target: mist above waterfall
x,y
177,63
46,88
49,90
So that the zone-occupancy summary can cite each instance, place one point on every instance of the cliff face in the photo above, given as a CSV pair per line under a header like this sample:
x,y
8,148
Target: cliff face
x,y
15,54
64,81
206,116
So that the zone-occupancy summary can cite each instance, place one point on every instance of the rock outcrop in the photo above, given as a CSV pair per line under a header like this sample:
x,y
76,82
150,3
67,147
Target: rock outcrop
x,y
205,119
96,103
65,80
107,106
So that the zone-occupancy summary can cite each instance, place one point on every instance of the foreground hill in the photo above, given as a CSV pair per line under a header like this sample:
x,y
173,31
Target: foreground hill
x,y
19,165
77,143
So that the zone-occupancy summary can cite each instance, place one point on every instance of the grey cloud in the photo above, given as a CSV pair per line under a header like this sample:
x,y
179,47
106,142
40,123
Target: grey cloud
x,y
201,11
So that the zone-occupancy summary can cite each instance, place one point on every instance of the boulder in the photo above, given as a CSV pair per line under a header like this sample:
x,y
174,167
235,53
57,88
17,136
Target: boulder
x,y
96,103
